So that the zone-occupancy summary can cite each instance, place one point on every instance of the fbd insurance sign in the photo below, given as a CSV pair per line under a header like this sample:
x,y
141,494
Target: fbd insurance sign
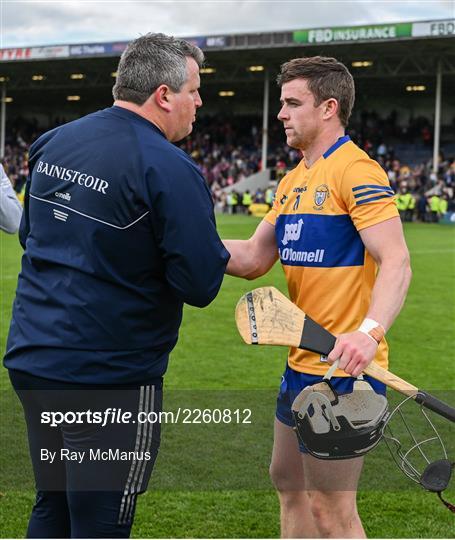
x,y
376,32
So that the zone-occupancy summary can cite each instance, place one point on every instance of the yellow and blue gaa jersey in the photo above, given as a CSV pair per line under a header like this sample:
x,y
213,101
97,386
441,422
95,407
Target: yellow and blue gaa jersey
x,y
317,214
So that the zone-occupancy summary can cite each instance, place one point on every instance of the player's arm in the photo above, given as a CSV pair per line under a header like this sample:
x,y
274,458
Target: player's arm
x,y
253,257
386,244
369,200
10,207
33,156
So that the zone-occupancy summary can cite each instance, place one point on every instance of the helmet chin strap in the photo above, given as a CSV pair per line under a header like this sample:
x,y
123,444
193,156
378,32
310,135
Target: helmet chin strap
x,y
330,372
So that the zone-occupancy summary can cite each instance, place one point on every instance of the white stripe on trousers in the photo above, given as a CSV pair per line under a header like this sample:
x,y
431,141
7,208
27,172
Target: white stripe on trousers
x,y
139,470
143,442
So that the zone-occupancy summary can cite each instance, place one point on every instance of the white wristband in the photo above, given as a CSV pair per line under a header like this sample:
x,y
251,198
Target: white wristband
x,y
372,329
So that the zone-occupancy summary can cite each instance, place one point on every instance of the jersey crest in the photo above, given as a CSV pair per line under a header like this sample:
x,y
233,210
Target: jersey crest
x,y
321,194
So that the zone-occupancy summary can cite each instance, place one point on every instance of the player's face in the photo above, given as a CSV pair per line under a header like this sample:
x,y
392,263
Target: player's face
x,y
302,121
186,102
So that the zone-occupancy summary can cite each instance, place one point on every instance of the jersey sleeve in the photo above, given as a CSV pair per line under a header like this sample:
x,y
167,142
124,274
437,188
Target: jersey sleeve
x,y
367,194
272,215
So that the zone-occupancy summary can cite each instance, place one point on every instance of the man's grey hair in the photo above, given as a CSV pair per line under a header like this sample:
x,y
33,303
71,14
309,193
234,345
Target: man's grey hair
x,y
150,61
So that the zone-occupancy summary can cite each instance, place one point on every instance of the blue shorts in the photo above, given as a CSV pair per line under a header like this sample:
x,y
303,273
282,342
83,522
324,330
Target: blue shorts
x,y
293,382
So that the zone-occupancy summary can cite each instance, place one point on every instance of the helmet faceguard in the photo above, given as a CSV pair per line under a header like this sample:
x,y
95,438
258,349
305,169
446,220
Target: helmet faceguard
x,y
418,461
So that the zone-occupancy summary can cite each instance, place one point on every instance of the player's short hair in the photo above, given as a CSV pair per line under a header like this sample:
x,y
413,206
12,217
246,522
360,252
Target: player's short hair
x,y
150,61
327,78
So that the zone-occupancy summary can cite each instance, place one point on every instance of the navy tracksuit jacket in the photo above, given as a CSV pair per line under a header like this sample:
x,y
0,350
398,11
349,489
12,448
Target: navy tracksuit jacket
x,y
118,232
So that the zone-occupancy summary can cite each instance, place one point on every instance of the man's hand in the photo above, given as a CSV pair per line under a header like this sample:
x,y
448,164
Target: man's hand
x,y
355,351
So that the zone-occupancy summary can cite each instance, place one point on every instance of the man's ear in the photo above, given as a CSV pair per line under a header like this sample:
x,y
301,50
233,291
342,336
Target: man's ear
x,y
163,97
330,108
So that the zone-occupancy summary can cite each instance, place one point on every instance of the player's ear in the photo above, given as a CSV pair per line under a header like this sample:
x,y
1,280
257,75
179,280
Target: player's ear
x,y
330,108
162,97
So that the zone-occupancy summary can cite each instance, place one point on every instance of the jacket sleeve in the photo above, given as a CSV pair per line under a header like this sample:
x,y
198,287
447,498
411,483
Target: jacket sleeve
x,y
10,207
184,225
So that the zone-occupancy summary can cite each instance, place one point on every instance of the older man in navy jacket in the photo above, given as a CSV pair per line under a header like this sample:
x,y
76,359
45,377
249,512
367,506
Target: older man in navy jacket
x,y
118,234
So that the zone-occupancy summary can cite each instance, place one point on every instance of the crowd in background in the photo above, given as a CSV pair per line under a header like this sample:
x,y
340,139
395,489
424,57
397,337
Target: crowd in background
x,y
370,130
229,149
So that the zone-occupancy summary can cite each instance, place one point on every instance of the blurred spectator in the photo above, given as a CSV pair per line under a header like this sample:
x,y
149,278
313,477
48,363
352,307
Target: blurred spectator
x,y
269,196
405,203
259,197
382,150
443,205
434,203
422,208
247,201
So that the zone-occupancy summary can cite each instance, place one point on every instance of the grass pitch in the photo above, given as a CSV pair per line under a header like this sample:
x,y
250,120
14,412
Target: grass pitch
x,y
211,480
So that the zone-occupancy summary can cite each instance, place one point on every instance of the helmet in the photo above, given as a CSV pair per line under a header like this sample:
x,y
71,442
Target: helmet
x,y
334,426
